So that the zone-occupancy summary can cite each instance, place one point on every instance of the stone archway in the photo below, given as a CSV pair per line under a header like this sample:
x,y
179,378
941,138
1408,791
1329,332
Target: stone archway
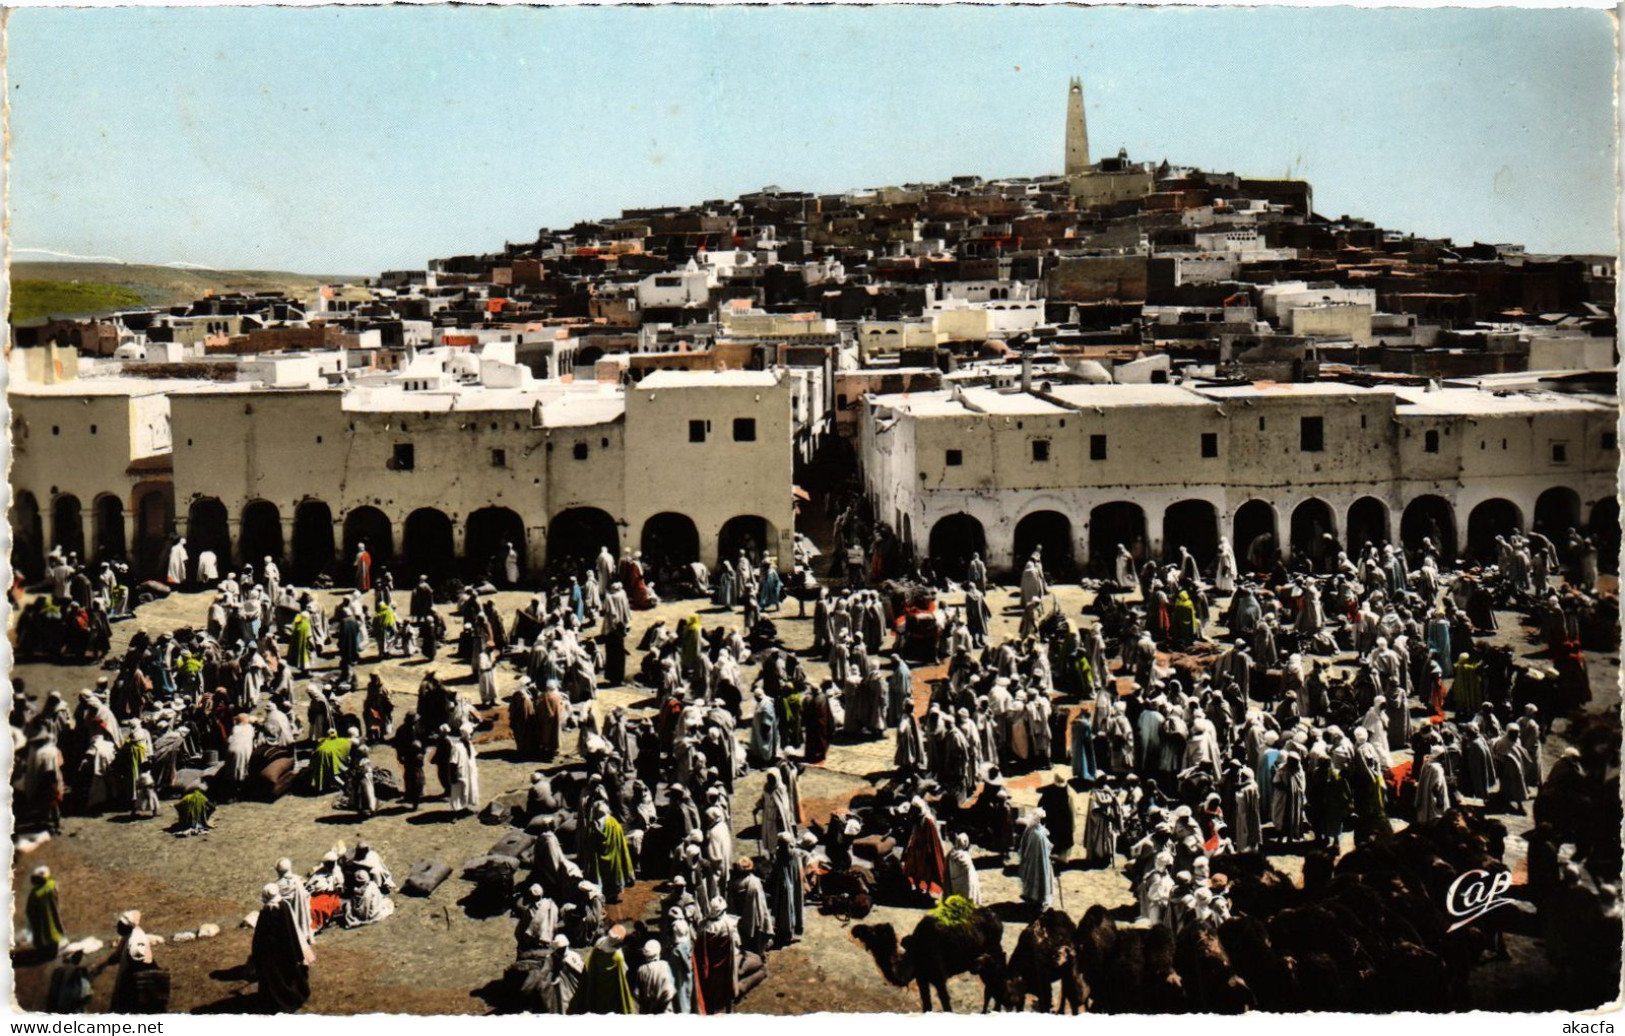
x,y
1050,531
1433,518
953,540
1194,525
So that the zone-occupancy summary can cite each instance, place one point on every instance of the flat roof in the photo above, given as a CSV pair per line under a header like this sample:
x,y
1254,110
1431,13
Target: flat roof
x,y
709,379
993,401
1283,389
117,386
1126,395
1448,401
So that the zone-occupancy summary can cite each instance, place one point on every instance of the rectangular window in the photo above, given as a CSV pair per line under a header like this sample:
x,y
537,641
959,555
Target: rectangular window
x,y
580,451
499,458
954,458
1311,434
1040,450
404,458
1097,447
744,429
696,431
1430,442
1560,453
1609,439
1210,444
1261,424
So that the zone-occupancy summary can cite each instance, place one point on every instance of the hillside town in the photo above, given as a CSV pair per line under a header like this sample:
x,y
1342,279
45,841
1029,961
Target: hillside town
x,y
1114,579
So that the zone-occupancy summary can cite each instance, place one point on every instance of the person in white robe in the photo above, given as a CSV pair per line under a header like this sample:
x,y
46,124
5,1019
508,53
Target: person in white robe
x,y
367,904
177,562
962,877
1224,575
654,988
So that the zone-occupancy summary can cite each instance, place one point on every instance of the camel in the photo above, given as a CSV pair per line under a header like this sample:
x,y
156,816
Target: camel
x,y
933,952
1045,952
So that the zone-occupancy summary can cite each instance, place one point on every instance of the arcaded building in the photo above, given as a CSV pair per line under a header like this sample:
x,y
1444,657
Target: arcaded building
x,y
1080,469
433,475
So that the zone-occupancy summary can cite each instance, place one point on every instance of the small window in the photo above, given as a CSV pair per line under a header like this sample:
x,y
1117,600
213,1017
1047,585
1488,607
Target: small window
x,y
579,452
604,442
1040,450
1430,442
499,458
840,401
1560,453
1503,444
56,429
1210,444
1261,424
1609,440
1311,434
696,431
405,458
318,440
954,458
1097,447
1362,420
744,429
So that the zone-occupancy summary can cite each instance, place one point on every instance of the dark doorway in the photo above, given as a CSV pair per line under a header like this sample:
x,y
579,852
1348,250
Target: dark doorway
x,y
110,545
953,540
668,540
312,540
429,545
1194,525
370,526
261,535
27,536
1368,523
1556,512
485,543
207,529
748,533
1488,520
1431,517
1050,531
1605,530
577,534
1313,533
67,525
154,525
1255,543
1113,524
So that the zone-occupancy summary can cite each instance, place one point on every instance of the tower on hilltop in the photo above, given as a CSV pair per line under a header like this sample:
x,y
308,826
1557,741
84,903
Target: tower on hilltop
x,y
1077,131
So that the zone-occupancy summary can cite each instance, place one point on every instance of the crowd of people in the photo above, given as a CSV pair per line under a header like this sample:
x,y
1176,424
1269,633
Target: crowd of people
x,y
1192,713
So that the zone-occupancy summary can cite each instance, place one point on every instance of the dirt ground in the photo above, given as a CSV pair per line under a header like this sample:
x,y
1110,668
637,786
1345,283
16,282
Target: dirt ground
x,y
432,956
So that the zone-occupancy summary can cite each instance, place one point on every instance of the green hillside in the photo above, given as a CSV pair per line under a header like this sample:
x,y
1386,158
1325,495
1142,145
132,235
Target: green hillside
x,y
36,299
49,289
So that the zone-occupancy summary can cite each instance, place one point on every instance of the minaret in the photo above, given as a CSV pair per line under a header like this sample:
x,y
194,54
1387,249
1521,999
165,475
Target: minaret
x,y
1077,131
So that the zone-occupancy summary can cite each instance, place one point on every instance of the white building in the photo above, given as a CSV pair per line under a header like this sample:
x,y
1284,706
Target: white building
x,y
1082,468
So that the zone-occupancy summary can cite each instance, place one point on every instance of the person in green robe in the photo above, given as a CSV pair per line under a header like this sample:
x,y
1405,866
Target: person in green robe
x,y
194,810
603,988
127,768
611,857
1185,628
327,767
299,647
688,642
44,916
790,719
383,628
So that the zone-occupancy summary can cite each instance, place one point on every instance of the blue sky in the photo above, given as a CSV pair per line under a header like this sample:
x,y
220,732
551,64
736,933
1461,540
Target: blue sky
x,y
349,140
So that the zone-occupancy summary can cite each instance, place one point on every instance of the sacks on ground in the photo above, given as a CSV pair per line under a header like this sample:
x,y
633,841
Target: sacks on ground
x,y
517,844
425,877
